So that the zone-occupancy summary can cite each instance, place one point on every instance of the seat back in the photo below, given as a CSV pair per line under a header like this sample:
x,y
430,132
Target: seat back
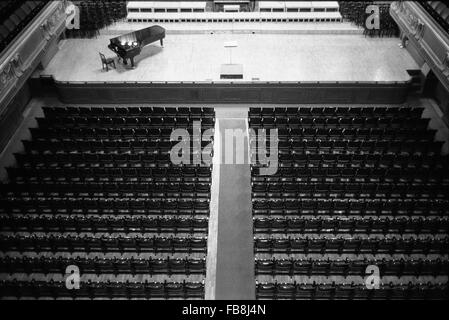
x,y
103,58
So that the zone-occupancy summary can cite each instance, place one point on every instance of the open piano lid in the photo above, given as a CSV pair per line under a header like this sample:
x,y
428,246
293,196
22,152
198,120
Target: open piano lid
x,y
143,36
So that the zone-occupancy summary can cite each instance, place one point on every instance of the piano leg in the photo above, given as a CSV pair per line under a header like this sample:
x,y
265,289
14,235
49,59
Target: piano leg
x,y
132,62
162,42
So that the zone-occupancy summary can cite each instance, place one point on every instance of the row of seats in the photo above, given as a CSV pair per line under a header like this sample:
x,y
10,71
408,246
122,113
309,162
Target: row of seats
x,y
351,207
348,134
291,191
97,158
110,172
95,290
331,122
283,136
352,190
356,12
86,212
329,161
162,122
162,134
86,190
319,177
346,191
27,265
352,181
101,244
157,112
335,111
351,226
332,291
348,146
374,173
52,180
7,7
124,176
351,246
15,16
310,207
388,27
151,207
149,147
294,174
100,225
374,189
410,148
100,180
125,161
382,160
345,268
95,15
439,11
324,174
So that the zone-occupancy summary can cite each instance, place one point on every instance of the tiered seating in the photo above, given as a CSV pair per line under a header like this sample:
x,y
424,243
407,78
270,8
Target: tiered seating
x,y
166,6
96,188
95,15
103,244
98,266
439,11
355,11
232,17
98,225
298,6
355,187
111,290
14,16
232,11
346,267
359,225
315,291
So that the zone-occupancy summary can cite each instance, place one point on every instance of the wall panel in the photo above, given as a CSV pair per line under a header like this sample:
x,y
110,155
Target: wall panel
x,y
275,92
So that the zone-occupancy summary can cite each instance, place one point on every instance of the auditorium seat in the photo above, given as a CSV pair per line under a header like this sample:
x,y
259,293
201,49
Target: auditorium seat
x,y
439,12
333,291
352,182
346,267
95,15
15,16
356,12
108,290
98,181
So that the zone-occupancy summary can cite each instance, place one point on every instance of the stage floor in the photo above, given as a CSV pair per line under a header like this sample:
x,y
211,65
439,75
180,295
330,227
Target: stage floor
x,y
265,57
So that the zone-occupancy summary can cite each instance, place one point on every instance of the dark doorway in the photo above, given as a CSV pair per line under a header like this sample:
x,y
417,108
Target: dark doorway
x,y
430,85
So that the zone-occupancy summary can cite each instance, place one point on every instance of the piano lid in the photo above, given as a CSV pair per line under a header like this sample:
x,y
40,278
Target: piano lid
x,y
145,35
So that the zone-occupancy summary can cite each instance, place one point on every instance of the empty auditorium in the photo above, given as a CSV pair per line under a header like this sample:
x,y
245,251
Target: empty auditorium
x,y
224,150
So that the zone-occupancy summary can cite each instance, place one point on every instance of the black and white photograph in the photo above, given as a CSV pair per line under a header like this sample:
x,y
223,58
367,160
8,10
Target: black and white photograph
x,y
241,152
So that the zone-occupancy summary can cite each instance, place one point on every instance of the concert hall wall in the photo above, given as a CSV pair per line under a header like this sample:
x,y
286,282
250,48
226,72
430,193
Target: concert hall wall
x,y
12,116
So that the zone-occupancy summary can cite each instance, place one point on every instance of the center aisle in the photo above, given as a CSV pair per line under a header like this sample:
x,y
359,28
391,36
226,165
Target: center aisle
x,y
234,265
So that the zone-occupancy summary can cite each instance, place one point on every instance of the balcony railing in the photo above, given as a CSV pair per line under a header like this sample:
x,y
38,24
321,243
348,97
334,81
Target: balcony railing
x,y
25,52
427,36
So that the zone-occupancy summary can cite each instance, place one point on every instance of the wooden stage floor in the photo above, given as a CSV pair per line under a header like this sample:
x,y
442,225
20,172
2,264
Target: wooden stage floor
x,y
265,57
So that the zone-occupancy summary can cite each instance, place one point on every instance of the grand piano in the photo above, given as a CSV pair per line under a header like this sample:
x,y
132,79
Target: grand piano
x,y
129,45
